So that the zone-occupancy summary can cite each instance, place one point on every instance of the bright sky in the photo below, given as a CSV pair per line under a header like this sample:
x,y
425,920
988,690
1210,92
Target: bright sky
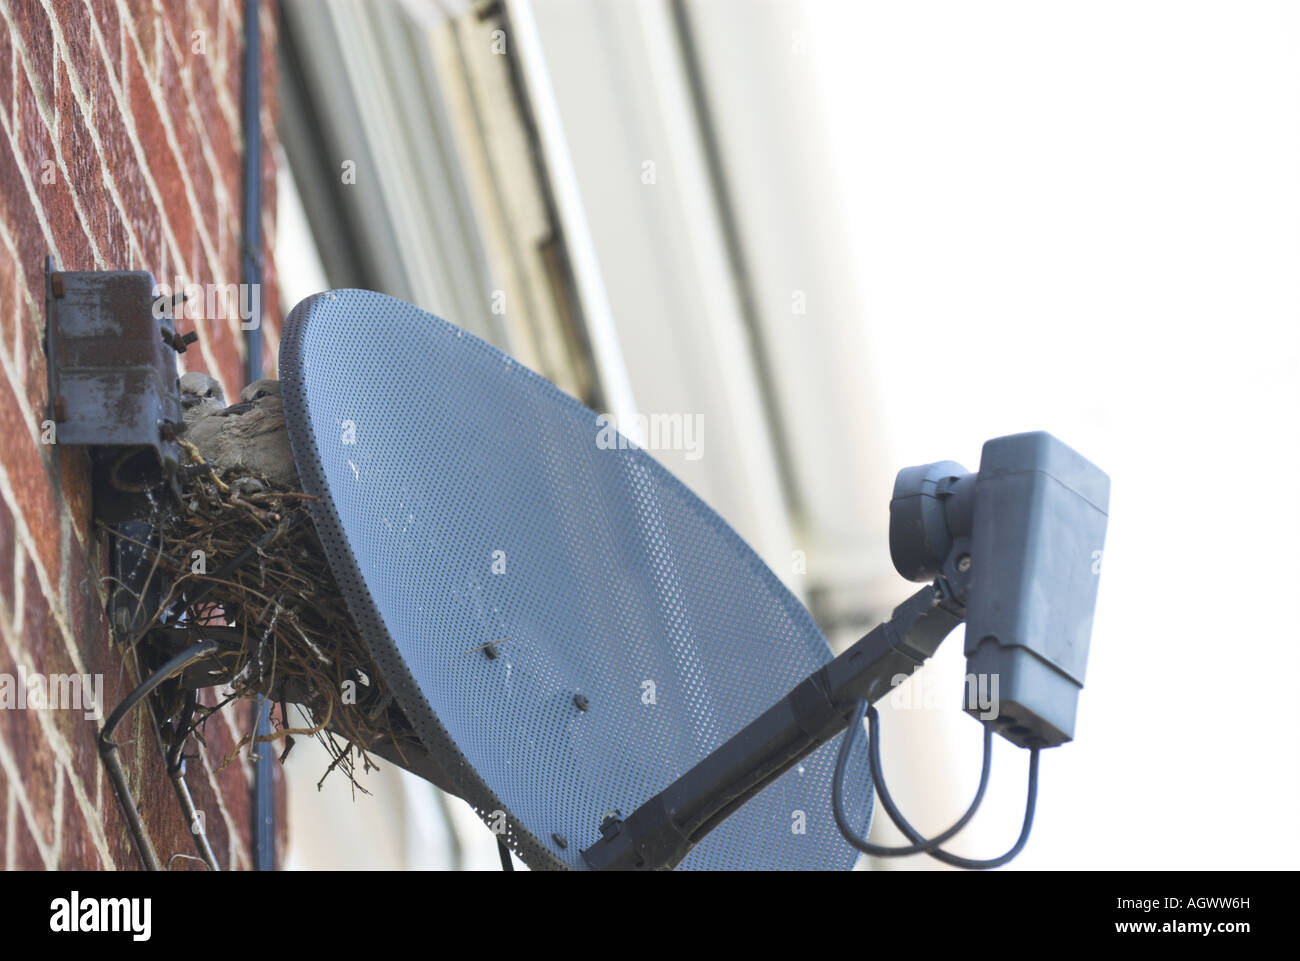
x,y
1085,218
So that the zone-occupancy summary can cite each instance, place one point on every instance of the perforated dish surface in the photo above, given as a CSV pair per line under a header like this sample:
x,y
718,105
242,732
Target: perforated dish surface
x,y
466,501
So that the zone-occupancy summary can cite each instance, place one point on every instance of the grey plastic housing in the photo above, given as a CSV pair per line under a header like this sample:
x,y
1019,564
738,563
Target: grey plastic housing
x,y
1038,530
921,523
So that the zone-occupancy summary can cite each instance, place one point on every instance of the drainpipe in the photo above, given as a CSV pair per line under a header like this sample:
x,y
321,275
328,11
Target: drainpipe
x,y
251,276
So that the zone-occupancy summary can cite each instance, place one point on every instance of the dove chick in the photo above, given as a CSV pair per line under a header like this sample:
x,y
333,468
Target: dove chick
x,y
266,387
201,390
250,437
201,396
201,400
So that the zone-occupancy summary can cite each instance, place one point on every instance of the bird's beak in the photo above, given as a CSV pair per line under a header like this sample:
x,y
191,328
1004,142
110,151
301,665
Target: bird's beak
x,y
188,401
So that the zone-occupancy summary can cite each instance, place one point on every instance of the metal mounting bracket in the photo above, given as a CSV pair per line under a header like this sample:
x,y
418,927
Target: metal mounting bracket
x,y
110,348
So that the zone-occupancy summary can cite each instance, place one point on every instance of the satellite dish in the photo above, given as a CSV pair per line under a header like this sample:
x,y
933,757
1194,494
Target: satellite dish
x,y
566,625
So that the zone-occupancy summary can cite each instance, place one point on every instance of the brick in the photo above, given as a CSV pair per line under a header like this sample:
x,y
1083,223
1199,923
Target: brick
x,y
6,103
78,851
233,81
105,17
88,625
26,854
49,188
147,777
19,213
81,158
219,334
209,183
45,651
204,793
32,756
8,539
117,252
150,126
74,22
202,176
74,471
72,228
225,348
25,467
146,23
36,39
117,837
38,626
11,296
172,76
80,733
224,141
118,158
35,151
83,598
205,15
31,361
35,145
184,20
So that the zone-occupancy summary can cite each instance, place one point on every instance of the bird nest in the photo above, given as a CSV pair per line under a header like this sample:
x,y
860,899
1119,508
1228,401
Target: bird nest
x,y
244,555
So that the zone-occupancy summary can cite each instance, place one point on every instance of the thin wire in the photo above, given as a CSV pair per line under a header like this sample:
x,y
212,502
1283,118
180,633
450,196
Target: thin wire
x,y
878,850
938,853
504,852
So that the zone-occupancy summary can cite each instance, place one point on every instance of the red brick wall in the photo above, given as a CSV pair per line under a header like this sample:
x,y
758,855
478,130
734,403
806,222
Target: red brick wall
x,y
120,148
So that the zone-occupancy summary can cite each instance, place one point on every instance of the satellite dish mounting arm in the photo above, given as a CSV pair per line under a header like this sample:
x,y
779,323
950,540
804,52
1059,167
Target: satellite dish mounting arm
x,y
662,831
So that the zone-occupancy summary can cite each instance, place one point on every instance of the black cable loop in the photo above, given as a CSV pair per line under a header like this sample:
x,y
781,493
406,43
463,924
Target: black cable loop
x,y
921,844
879,850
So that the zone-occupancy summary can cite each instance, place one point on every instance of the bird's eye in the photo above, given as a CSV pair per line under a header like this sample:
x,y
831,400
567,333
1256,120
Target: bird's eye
x,y
210,393
259,395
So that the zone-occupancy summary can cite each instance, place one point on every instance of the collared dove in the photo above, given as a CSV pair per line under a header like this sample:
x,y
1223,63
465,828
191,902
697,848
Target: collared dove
x,y
266,387
201,390
201,397
250,395
201,400
249,438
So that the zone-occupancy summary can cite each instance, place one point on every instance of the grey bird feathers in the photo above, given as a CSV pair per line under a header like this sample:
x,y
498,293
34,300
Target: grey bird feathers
x,y
248,438
201,396
266,387
250,395
201,390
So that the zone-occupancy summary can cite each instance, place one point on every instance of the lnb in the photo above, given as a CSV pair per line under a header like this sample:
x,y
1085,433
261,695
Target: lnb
x,y
1020,543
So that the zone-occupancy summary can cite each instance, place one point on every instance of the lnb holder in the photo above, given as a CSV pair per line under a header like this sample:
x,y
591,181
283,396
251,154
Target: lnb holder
x,y
1028,530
